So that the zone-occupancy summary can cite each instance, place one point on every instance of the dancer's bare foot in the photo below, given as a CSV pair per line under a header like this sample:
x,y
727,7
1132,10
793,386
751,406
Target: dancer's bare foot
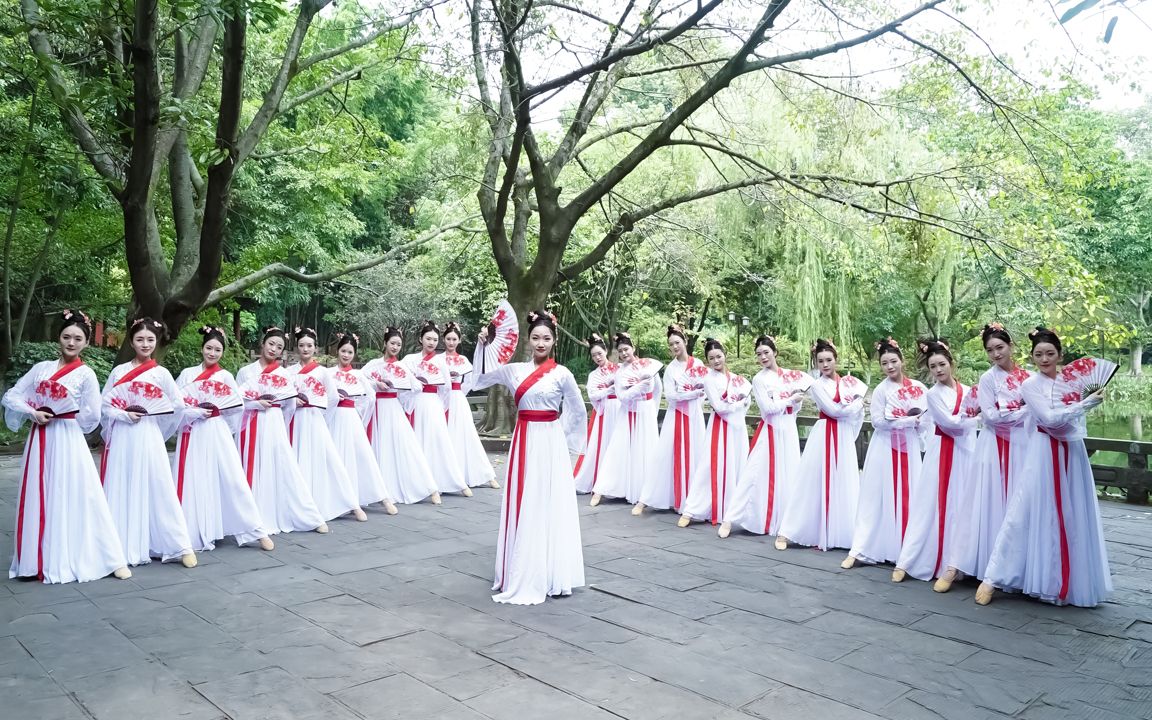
x,y
122,573
898,575
849,563
638,509
390,507
595,500
725,529
467,492
984,593
781,542
322,528
359,514
267,544
684,521
189,560
944,582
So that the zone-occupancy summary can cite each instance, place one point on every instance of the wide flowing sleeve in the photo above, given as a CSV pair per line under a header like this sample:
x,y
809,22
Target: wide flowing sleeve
x,y
631,393
232,416
109,413
16,408
245,375
940,408
720,403
328,375
1038,402
168,424
768,399
88,399
187,415
596,393
501,375
830,407
878,409
574,418
366,403
989,410
674,387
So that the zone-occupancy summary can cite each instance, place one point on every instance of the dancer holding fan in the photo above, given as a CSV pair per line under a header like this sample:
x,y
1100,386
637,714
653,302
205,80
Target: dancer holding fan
x,y
601,389
139,405
476,466
1051,545
893,463
764,486
210,481
430,372
64,531
407,477
283,497
333,488
538,551
347,420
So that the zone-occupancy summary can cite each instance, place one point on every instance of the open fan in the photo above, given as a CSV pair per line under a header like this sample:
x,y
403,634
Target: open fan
x,y
391,372
312,389
640,370
970,405
429,370
141,397
503,335
274,386
52,397
458,365
348,384
796,383
1080,378
909,400
211,395
851,389
737,386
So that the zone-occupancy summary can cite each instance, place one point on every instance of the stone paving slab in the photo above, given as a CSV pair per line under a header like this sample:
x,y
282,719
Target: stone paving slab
x,y
392,618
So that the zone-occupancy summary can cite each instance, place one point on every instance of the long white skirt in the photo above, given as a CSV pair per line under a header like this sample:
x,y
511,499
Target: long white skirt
x,y
630,457
77,540
538,550
333,489
681,460
351,441
727,450
601,425
999,463
432,433
1051,545
935,524
822,510
470,451
212,488
765,483
891,468
141,494
407,477
283,498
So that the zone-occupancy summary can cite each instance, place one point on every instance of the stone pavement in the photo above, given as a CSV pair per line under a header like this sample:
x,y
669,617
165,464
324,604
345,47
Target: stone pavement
x,y
392,618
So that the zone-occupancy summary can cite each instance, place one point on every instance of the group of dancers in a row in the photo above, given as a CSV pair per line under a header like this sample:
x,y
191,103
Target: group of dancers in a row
x,y
991,482
283,449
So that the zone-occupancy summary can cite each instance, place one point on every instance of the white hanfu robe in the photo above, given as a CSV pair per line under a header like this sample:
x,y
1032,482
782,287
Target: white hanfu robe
x,y
137,474
270,466
475,465
822,510
935,523
630,457
727,448
322,467
999,462
407,476
347,422
762,492
210,481
431,425
601,390
64,531
1051,545
682,451
538,550
891,467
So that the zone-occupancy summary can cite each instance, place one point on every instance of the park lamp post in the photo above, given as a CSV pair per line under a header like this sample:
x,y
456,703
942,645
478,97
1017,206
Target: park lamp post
x,y
739,327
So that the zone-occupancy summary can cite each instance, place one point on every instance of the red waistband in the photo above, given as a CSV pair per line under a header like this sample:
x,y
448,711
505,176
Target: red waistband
x,y
385,395
827,417
346,403
432,389
457,386
65,416
611,397
537,416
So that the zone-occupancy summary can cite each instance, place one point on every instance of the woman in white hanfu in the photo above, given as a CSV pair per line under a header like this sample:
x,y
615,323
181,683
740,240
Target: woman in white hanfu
x,y
892,464
1051,545
538,551
1000,452
407,476
430,372
333,487
681,455
763,488
210,481
601,390
64,531
822,510
630,457
935,524
475,465
347,421
285,502
134,468
729,395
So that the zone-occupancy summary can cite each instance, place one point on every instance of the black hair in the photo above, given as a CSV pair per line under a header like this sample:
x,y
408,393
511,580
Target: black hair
x,y
1043,335
392,331
273,331
677,330
428,327
542,318
767,341
711,344
146,323
208,332
888,346
453,327
595,339
994,330
300,333
822,345
72,317
623,338
347,337
934,346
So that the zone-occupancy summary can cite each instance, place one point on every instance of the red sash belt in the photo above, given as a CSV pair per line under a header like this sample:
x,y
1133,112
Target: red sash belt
x,y
947,452
788,410
537,416
519,453
38,437
682,461
431,389
611,397
1058,493
831,455
65,416
346,403
457,386
386,395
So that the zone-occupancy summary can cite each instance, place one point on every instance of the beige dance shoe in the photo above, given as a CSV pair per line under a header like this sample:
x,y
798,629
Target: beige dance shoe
x,y
725,529
984,593
493,484
849,563
781,542
267,544
359,514
436,498
322,528
466,492
898,575
684,521
638,508
122,573
595,500
189,560
944,582
390,507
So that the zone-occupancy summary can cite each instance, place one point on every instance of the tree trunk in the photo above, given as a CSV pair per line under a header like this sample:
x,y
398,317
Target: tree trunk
x,y
1137,358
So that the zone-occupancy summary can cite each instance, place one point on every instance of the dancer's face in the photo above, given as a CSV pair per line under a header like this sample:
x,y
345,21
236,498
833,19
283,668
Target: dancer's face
x,y
541,341
598,354
144,343
892,365
212,351
72,342
306,347
826,363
